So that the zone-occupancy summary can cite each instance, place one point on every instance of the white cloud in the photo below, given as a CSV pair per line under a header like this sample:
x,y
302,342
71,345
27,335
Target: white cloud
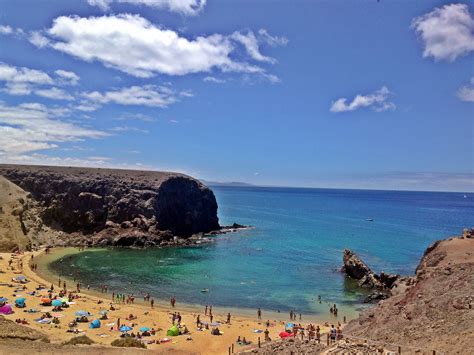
x,y
20,80
147,95
67,77
212,79
102,4
14,74
135,46
10,31
466,92
185,7
54,93
87,106
5,30
379,101
250,42
273,41
136,117
446,32
30,127
38,39
24,81
128,129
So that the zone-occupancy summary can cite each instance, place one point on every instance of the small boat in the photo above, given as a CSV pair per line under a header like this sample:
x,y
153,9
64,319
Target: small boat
x,y
465,196
205,290
369,219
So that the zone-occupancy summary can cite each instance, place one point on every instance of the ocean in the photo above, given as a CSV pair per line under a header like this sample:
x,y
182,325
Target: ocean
x,y
293,253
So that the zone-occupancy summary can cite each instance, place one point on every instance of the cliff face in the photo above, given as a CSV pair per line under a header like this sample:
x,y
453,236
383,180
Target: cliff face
x,y
136,203
433,310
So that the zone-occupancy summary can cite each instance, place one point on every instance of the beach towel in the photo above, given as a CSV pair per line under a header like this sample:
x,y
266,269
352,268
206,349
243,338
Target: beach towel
x,y
43,321
6,309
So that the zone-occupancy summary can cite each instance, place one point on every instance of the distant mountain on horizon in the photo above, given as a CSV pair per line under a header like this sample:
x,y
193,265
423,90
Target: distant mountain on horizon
x,y
226,183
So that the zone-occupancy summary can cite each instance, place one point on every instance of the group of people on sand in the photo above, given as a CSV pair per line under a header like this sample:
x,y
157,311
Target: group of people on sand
x,y
333,310
335,333
293,315
122,298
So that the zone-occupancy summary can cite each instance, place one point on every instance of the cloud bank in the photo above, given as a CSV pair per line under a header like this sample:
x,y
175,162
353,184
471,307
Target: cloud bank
x,y
133,45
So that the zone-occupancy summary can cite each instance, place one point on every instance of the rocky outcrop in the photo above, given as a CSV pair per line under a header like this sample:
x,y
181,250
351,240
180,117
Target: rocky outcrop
x,y
380,285
117,207
432,310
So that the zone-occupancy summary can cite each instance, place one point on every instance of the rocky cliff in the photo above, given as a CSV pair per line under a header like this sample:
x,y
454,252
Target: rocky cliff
x,y
117,207
433,310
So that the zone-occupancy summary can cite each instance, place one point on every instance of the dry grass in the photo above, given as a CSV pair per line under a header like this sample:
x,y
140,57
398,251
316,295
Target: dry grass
x,y
80,340
128,343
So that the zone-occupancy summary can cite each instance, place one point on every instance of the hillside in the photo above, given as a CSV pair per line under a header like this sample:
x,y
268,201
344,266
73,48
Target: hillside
x,y
435,310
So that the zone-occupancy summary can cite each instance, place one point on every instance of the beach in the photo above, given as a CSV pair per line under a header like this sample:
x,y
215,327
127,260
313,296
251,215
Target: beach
x,y
157,318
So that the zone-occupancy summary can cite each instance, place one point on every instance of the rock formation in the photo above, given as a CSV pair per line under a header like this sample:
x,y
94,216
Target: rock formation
x,y
117,207
433,310
380,285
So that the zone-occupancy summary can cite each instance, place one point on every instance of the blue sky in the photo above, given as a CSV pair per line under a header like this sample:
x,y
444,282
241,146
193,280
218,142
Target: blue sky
x,y
295,93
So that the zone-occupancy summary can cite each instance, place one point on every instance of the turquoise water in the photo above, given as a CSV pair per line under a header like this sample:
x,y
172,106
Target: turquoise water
x,y
292,255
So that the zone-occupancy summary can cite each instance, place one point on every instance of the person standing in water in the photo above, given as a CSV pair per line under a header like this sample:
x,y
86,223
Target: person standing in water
x,y
259,313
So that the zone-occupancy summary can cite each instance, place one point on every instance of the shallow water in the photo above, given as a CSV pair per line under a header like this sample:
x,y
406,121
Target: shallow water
x,y
293,253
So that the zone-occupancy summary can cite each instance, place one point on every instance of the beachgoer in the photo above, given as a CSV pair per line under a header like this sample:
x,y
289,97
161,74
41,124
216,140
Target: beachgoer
x,y
259,313
333,333
228,318
267,337
152,302
205,311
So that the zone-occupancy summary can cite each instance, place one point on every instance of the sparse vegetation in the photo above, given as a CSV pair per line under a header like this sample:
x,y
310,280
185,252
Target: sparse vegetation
x,y
80,340
128,343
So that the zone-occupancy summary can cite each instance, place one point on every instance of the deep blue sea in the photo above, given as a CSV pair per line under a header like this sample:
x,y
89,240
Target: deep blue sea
x,y
293,253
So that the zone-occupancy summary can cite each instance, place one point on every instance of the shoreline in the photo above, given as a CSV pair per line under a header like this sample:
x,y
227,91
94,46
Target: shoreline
x,y
50,277
158,317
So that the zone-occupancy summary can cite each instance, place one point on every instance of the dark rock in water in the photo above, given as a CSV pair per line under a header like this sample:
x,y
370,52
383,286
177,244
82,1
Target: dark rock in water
x,y
355,268
118,207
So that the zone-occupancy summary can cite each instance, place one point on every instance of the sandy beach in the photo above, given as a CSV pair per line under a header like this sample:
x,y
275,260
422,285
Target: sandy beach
x,y
157,318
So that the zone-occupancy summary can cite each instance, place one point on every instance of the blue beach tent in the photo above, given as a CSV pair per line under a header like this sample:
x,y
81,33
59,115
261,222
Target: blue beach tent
x,y
95,324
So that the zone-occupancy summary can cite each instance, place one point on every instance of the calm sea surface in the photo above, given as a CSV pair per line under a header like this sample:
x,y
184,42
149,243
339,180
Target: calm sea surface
x,y
293,253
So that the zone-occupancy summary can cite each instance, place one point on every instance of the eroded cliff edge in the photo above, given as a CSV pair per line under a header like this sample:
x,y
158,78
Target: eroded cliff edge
x,y
433,310
113,207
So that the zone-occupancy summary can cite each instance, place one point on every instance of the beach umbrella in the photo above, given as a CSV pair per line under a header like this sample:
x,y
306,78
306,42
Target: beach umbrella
x,y
82,313
57,303
125,328
284,335
289,325
3,299
20,278
144,329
